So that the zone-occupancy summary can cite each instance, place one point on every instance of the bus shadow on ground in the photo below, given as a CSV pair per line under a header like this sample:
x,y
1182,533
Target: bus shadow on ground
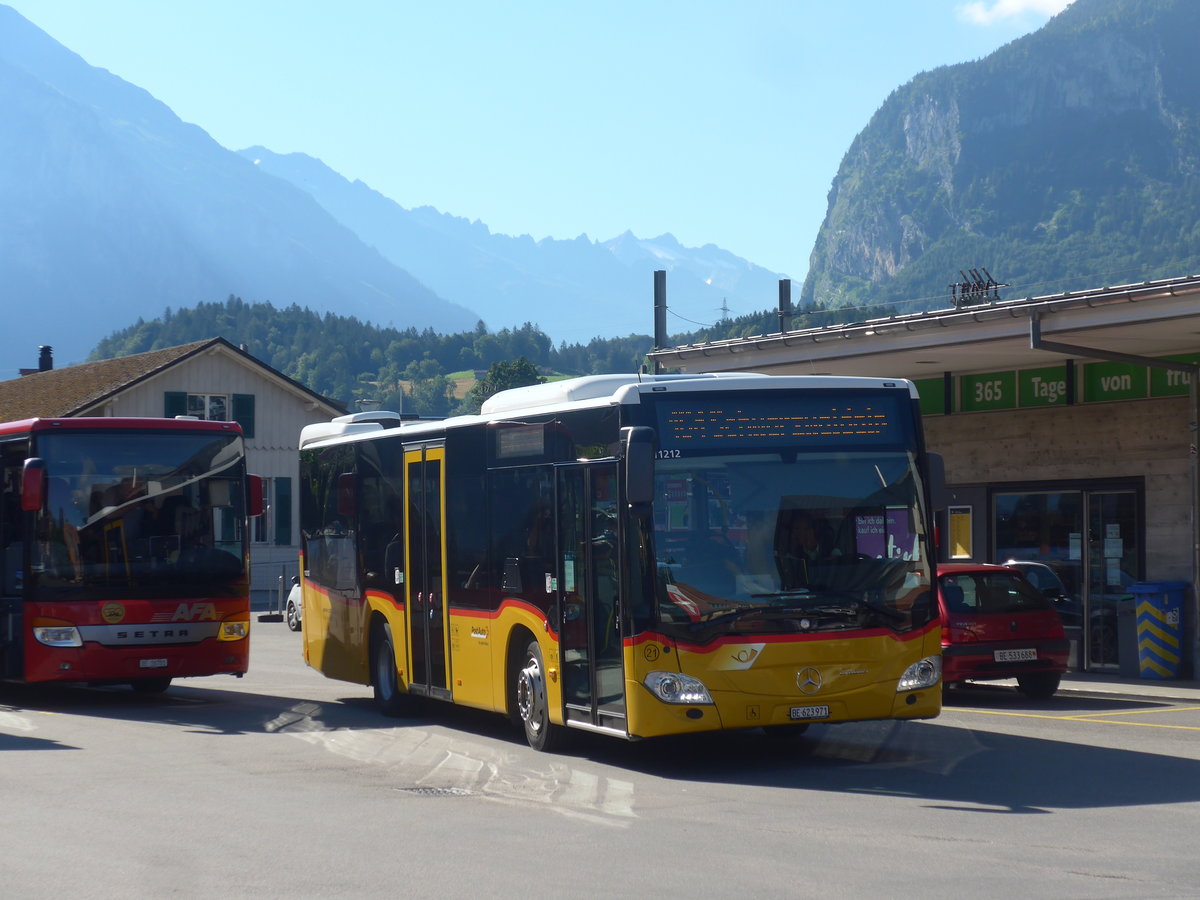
x,y
949,766
954,766
207,708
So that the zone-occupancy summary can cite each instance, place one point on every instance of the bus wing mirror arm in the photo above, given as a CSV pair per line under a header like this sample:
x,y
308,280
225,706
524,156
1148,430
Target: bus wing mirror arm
x,y
638,443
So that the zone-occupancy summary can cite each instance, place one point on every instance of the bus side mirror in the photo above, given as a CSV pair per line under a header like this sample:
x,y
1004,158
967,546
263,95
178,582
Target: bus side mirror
x,y
345,495
255,502
639,467
33,485
938,493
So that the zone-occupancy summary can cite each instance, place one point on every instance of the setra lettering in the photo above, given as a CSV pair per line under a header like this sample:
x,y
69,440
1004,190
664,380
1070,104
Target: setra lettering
x,y
152,634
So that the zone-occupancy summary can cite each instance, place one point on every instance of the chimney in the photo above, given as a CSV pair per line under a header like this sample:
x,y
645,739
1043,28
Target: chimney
x,y
45,358
660,313
785,305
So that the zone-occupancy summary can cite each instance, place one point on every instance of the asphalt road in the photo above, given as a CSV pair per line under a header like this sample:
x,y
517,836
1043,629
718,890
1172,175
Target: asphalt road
x,y
285,784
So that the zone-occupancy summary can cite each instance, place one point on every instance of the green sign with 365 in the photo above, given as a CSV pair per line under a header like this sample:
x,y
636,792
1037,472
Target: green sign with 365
x,y
994,390
1095,382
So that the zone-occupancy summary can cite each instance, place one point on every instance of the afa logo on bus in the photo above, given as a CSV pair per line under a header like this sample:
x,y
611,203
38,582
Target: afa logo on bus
x,y
188,612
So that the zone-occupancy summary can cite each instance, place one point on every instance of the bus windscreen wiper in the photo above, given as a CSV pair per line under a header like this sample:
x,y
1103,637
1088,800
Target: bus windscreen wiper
x,y
730,616
820,594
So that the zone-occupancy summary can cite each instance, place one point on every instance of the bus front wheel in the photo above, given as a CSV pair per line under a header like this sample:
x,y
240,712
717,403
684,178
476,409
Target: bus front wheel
x,y
389,699
530,693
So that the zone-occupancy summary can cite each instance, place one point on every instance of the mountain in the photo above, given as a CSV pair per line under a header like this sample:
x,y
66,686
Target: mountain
x,y
1067,158
573,290
114,209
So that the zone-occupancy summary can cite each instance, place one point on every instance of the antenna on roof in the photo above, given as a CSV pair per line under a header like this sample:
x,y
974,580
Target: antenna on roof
x,y
975,288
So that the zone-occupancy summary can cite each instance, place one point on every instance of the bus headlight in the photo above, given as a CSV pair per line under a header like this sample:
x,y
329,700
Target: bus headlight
x,y
58,635
921,674
671,687
234,630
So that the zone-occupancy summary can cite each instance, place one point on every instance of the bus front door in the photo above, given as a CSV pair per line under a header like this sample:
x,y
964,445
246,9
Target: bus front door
x,y
589,596
425,564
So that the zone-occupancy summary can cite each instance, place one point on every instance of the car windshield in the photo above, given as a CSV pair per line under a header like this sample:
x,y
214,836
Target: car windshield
x,y
776,542
990,592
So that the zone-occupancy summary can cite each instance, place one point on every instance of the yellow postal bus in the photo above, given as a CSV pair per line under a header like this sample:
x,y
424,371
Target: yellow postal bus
x,y
631,555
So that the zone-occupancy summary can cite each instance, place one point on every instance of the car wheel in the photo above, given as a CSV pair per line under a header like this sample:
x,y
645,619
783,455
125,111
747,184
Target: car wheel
x,y
529,692
293,618
1038,685
389,699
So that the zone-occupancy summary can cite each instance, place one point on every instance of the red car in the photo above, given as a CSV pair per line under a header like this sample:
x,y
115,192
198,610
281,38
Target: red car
x,y
995,624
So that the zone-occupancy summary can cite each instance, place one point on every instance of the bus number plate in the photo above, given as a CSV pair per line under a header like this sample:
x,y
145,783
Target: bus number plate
x,y
152,663
808,712
1015,655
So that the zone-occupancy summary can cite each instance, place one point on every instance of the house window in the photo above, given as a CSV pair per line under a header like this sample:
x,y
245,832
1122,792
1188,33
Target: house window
x,y
214,407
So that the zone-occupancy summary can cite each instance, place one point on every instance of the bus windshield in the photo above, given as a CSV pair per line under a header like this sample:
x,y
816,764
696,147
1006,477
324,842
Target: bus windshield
x,y
136,516
771,542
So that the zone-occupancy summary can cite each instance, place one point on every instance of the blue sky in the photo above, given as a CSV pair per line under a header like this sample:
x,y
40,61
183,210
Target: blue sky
x,y
720,122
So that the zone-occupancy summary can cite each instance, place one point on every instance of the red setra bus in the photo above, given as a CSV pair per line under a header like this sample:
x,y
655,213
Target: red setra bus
x,y
124,550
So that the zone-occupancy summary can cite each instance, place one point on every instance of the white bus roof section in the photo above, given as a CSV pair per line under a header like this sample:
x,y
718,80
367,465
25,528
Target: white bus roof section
x,y
588,391
571,390
625,388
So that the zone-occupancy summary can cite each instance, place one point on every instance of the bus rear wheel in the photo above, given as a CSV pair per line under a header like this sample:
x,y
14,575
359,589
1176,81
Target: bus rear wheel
x,y
529,691
389,699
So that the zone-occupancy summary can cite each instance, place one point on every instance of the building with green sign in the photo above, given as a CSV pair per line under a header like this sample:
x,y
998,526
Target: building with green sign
x,y
1068,427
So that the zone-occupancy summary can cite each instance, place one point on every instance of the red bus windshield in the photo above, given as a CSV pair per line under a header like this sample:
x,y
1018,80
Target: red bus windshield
x,y
158,514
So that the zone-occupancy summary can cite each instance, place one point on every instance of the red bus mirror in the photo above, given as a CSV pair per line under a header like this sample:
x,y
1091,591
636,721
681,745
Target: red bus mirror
x,y
345,495
33,485
255,501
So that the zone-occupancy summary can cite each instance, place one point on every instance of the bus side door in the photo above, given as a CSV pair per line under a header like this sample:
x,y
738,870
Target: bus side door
x,y
425,557
589,600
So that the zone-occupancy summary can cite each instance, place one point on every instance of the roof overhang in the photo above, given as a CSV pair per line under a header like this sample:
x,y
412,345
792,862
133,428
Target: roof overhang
x,y
1153,319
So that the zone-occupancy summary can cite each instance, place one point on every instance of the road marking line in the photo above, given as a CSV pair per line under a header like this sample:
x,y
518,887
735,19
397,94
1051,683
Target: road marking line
x,y
1097,718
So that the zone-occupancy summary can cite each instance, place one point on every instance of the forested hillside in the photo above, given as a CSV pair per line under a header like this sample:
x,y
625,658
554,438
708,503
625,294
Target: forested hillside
x,y
346,359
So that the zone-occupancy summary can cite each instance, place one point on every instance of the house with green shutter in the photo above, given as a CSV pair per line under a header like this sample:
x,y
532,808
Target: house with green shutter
x,y
210,379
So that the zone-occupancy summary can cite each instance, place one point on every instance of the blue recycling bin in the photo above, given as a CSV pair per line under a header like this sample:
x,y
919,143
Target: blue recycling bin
x,y
1159,627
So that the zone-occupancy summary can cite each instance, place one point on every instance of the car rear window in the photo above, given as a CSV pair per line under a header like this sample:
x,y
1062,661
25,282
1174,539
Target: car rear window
x,y
990,592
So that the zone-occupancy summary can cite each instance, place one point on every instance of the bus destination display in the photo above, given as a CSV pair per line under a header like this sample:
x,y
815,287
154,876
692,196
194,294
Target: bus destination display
x,y
687,424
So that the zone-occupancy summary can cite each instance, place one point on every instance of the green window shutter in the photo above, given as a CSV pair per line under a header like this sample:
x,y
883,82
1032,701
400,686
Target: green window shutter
x,y
228,531
283,511
243,413
174,404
